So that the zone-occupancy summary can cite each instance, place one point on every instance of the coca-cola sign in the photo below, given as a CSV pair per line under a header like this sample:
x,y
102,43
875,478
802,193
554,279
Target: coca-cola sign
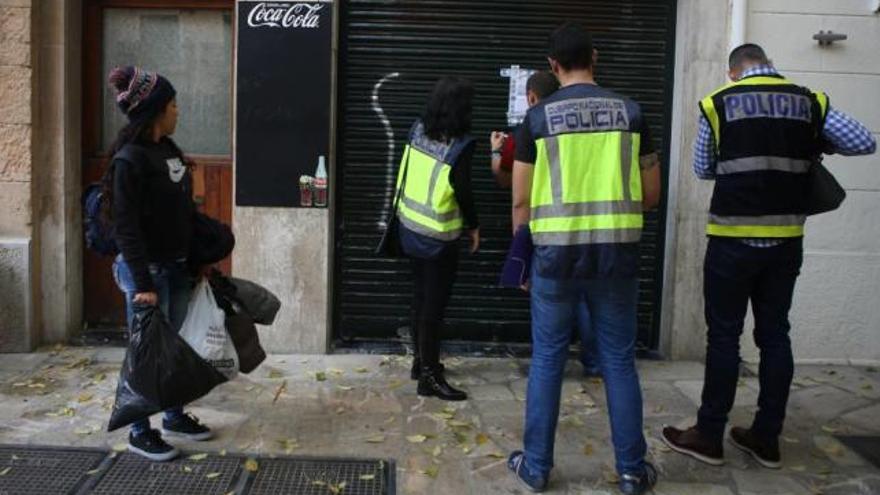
x,y
285,15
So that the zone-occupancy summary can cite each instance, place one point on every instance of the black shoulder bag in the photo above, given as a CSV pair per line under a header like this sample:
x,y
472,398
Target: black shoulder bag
x,y
389,244
825,193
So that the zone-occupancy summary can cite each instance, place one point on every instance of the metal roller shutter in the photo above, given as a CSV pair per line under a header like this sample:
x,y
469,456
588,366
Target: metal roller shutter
x,y
409,44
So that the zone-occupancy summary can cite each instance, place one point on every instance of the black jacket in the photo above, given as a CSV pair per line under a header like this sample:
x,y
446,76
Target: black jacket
x,y
153,209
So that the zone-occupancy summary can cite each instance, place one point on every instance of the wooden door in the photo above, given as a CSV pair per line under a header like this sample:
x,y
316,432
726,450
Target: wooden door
x,y
191,42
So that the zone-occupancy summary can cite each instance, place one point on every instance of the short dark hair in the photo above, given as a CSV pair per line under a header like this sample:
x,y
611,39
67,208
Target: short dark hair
x,y
448,112
543,83
572,46
749,52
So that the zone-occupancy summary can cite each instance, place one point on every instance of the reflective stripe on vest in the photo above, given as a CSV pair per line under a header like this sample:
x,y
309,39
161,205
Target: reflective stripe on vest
x,y
758,163
427,203
769,226
615,218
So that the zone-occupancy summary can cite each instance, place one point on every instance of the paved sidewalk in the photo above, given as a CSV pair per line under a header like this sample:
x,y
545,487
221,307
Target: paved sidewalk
x,y
361,405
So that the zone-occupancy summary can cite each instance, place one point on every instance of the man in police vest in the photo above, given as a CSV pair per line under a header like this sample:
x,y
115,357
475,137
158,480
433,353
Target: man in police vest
x,y
758,139
585,169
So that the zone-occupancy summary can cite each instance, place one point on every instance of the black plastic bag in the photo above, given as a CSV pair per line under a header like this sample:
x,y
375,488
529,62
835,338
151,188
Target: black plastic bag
x,y
160,371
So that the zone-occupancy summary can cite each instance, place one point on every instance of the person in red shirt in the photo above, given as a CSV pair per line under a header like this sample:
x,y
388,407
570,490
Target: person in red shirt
x,y
540,85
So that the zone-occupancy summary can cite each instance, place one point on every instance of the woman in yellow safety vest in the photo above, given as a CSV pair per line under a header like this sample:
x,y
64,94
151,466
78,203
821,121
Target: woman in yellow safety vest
x,y
436,207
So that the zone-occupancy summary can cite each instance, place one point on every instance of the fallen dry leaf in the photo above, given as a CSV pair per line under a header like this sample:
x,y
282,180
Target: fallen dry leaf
x,y
321,376
251,466
829,429
588,449
84,397
481,438
367,477
361,370
275,374
93,472
336,489
5,471
187,469
198,457
281,389
120,447
458,424
432,471
416,438
376,439
211,476
344,388
496,455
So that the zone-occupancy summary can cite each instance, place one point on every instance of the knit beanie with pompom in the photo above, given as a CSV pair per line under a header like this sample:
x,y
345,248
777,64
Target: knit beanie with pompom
x,y
140,94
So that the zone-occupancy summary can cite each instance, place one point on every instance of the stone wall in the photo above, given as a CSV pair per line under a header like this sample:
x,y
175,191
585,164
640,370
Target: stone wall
x,y
57,199
17,55
701,65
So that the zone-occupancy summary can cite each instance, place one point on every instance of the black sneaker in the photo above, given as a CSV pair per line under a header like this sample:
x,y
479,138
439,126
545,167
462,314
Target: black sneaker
x,y
151,446
631,484
766,452
187,427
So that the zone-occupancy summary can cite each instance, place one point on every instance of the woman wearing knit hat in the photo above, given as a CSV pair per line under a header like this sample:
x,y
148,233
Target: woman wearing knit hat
x,y
149,187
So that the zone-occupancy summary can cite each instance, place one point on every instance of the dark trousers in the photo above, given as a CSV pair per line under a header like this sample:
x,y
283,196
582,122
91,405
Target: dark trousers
x,y
734,274
432,284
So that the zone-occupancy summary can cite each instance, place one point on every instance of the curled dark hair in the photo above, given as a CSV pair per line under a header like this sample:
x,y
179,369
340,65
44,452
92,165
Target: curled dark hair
x,y
448,113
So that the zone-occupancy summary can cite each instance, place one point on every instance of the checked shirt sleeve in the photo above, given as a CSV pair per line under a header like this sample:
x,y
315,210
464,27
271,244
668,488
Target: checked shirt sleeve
x,y
704,151
847,136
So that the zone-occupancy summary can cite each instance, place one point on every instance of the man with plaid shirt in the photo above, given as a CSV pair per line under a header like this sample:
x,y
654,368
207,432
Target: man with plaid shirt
x,y
757,140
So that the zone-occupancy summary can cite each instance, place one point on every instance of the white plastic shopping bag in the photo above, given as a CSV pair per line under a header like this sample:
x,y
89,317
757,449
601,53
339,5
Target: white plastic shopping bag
x,y
204,329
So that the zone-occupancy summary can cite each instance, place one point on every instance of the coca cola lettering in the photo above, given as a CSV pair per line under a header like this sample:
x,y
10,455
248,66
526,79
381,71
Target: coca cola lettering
x,y
297,15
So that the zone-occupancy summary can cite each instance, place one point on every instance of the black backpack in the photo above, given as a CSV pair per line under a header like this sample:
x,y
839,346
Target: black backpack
x,y
99,235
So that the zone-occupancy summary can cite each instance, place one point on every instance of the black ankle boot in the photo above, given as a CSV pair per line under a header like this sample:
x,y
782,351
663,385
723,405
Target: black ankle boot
x,y
416,370
432,383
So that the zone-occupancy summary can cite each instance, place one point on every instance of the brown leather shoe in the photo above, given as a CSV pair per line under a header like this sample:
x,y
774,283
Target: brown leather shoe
x,y
765,451
692,443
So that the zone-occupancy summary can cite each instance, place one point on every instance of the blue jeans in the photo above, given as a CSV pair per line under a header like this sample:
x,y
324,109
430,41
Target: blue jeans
x,y
611,304
173,285
588,355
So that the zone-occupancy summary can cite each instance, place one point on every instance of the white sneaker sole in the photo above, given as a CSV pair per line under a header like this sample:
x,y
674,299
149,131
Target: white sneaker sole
x,y
195,437
163,457
763,462
712,461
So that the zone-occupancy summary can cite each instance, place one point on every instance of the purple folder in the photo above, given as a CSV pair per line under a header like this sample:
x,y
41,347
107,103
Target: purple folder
x,y
518,264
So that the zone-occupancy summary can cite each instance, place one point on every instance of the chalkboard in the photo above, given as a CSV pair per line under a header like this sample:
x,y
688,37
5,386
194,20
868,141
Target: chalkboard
x,y
283,98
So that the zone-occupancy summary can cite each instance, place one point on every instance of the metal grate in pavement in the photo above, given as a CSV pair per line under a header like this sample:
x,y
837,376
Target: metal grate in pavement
x,y
866,446
28,470
134,475
304,476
